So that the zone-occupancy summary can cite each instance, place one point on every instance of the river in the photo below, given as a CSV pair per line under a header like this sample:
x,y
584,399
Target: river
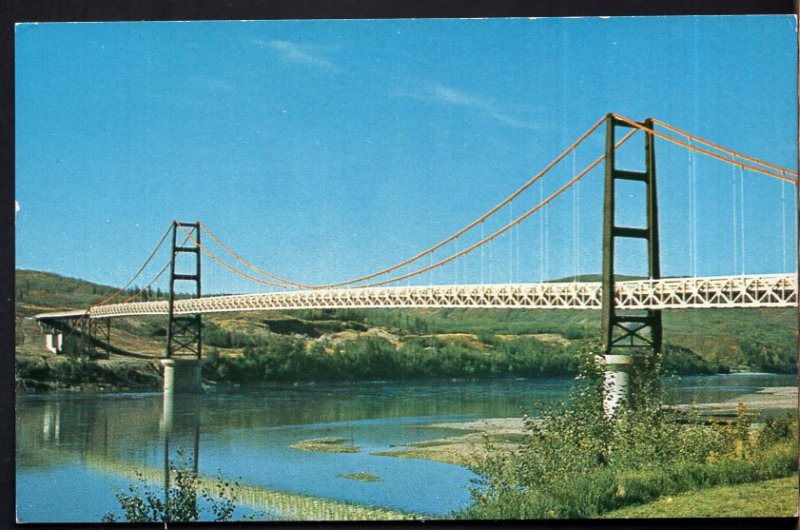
x,y
75,450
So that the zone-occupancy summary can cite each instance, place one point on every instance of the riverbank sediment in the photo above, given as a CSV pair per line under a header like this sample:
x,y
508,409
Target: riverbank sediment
x,y
475,435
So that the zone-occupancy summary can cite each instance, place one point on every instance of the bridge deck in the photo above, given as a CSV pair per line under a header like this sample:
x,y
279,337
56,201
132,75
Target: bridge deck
x,y
772,290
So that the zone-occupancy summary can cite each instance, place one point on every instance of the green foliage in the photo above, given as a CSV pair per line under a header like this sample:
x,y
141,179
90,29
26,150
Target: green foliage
x,y
683,361
179,503
575,462
768,353
279,358
70,372
78,346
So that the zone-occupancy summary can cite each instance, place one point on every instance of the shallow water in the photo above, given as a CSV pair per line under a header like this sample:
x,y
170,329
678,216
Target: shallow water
x,y
75,450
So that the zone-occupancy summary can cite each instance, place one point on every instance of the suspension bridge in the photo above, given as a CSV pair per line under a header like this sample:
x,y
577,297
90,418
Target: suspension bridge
x,y
630,309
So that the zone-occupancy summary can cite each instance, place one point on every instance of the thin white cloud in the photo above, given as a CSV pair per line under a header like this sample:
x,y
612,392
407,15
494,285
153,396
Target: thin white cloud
x,y
452,96
307,54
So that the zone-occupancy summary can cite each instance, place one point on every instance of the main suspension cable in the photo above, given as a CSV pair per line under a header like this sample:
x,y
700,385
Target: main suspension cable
x,y
477,221
154,279
726,150
781,173
143,289
510,225
229,267
146,263
250,265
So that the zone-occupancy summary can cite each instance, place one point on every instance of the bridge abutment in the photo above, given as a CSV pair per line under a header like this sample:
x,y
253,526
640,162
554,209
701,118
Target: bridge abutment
x,y
53,342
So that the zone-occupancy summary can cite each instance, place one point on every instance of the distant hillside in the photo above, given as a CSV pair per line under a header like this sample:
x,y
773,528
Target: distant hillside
x,y
43,291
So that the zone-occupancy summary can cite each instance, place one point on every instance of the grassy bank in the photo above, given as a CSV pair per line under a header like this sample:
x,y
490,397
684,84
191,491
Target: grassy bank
x,y
575,463
768,498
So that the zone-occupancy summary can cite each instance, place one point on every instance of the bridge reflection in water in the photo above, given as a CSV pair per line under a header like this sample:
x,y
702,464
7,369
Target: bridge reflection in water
x,y
268,504
62,435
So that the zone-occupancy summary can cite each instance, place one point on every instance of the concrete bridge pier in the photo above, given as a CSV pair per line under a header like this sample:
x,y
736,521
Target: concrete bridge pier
x,y
622,380
616,382
182,376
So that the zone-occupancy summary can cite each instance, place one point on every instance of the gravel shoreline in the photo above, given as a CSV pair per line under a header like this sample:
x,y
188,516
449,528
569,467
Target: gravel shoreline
x,y
461,448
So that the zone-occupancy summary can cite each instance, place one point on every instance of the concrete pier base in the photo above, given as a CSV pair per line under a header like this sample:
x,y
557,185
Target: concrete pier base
x,y
182,376
616,382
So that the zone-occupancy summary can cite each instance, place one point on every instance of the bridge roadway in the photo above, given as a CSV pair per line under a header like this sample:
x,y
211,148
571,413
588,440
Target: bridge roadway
x,y
765,290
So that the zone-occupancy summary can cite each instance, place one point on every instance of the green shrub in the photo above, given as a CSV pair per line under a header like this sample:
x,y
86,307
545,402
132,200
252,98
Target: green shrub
x,y
575,462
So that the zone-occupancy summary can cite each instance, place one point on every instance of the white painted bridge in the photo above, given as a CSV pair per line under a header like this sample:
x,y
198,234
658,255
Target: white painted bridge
x,y
765,290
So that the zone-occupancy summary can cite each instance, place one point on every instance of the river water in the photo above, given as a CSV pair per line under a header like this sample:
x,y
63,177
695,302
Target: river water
x,y
75,450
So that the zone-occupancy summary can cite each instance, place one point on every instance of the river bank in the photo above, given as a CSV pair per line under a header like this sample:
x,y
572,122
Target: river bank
x,y
48,372
44,373
470,442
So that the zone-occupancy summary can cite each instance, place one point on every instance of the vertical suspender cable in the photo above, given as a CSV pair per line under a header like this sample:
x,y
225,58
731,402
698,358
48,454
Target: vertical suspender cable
x,y
491,255
541,236
692,215
575,222
455,264
734,220
741,213
511,245
482,236
546,244
783,223
466,262
519,227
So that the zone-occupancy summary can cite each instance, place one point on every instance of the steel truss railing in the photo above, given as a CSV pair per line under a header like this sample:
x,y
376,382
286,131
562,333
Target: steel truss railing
x,y
770,290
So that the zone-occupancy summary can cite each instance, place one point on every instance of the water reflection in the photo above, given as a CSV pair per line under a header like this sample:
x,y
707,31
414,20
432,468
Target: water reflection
x,y
75,450
189,411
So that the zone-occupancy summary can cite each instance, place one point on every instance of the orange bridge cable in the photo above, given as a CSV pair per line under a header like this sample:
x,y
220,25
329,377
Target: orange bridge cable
x,y
156,277
147,262
471,225
439,245
676,141
723,149
507,227
253,267
229,267
143,289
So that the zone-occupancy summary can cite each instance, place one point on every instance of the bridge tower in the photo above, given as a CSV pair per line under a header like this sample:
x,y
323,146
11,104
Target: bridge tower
x,y
182,365
624,334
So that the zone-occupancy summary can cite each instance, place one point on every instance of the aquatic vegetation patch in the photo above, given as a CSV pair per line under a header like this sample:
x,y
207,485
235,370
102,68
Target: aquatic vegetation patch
x,y
331,444
361,477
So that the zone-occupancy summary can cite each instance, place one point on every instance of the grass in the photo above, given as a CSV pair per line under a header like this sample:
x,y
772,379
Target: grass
x,y
769,498
325,445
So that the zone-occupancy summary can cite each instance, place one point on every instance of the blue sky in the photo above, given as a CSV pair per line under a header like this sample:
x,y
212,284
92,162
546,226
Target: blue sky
x,y
324,150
